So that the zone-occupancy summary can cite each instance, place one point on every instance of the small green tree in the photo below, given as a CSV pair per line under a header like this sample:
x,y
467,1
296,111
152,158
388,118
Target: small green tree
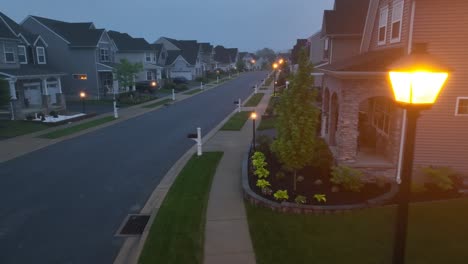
x,y
297,121
4,93
125,72
240,65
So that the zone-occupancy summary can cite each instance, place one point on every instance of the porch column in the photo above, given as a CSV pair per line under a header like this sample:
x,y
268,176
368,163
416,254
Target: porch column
x,y
12,83
348,120
133,85
44,85
45,95
59,84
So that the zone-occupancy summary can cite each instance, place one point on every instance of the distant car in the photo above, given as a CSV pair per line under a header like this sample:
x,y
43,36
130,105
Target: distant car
x,y
147,86
178,80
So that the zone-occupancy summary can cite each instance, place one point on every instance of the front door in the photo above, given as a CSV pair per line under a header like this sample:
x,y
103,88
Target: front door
x,y
32,94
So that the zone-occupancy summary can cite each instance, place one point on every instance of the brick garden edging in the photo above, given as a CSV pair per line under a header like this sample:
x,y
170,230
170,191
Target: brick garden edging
x,y
287,207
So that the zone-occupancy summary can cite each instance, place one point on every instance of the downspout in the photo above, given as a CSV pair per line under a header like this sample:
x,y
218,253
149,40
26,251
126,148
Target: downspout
x,y
403,127
97,75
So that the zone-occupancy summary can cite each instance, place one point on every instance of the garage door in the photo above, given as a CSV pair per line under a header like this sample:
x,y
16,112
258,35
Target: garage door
x,y
186,74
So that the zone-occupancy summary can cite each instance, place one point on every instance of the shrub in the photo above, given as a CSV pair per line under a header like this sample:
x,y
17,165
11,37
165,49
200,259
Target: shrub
x,y
347,177
300,199
181,87
54,114
320,198
263,184
169,86
323,158
418,188
281,195
280,175
264,143
202,79
267,191
441,177
259,164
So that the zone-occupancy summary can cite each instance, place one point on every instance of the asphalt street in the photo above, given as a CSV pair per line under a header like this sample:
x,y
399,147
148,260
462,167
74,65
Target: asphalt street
x,y
64,203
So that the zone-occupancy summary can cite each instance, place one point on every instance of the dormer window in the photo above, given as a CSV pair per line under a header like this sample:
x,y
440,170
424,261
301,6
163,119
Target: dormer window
x,y
382,38
41,57
104,55
22,57
9,55
397,17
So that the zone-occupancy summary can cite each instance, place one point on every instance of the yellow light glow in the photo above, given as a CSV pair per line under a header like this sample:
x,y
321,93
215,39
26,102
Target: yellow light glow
x,y
153,83
418,87
253,115
275,66
253,61
82,94
281,61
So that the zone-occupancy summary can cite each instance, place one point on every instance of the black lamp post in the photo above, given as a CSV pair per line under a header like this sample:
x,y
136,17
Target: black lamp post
x,y
417,80
83,97
253,116
275,66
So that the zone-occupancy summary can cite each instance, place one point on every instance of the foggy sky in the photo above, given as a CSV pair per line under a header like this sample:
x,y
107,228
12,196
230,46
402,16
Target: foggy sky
x,y
245,24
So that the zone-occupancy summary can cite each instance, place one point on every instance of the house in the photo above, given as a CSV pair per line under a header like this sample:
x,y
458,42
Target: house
x,y
207,56
183,58
86,53
225,59
35,86
361,122
137,50
249,60
301,44
316,55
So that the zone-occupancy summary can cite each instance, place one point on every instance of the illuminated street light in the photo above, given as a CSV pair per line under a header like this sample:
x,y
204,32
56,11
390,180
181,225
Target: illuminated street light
x,y
253,116
275,66
82,98
416,80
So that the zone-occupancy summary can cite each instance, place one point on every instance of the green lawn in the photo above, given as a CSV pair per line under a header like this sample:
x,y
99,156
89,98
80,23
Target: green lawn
x,y
74,129
177,233
9,129
437,233
194,91
267,124
162,102
254,100
237,121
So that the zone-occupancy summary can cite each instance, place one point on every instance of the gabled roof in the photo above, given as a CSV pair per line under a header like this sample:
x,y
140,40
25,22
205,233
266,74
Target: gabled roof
x,y
373,61
348,18
78,34
189,49
206,47
15,31
157,47
172,56
226,56
126,43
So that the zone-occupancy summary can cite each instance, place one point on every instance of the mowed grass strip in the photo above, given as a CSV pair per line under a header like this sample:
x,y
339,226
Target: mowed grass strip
x,y
177,233
359,237
237,121
9,129
80,127
254,100
194,91
162,102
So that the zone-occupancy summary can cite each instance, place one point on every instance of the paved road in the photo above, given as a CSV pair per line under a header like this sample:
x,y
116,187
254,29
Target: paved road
x,y
63,204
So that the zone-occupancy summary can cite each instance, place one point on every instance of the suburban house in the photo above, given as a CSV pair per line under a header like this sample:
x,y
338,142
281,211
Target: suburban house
x,y
207,57
360,121
137,50
183,58
225,59
249,60
300,45
86,53
35,86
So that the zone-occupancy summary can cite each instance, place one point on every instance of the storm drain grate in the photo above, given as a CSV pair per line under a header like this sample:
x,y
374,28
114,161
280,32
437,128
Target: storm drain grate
x,y
134,225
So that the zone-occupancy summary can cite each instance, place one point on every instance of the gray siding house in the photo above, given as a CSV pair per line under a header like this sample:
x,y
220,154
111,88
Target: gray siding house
x,y
86,53
34,85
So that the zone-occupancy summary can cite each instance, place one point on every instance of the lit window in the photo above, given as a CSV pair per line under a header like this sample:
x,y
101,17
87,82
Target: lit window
x,y
22,55
462,106
383,26
81,77
9,55
149,76
104,54
381,116
397,17
41,58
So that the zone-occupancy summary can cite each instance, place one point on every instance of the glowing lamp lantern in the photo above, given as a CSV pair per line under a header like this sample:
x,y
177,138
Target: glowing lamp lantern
x,y
275,66
82,95
281,61
253,116
417,79
154,83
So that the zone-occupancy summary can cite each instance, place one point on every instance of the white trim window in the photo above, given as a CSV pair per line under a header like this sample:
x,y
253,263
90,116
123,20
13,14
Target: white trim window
x,y
462,106
397,21
22,57
9,53
382,33
155,56
41,56
80,76
104,55
147,57
149,76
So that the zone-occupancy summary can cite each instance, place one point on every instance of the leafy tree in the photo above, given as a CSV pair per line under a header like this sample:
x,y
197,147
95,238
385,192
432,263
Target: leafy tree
x,y
4,93
297,121
266,53
240,65
125,72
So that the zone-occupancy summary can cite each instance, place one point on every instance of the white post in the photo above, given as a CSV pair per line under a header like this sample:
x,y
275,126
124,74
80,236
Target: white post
x,y
59,84
256,89
173,95
217,79
201,86
44,84
134,85
116,111
199,142
12,89
240,106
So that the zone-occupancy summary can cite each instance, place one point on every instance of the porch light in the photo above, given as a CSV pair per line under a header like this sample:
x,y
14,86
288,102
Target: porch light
x,y
153,83
416,80
275,66
281,61
253,116
253,61
82,95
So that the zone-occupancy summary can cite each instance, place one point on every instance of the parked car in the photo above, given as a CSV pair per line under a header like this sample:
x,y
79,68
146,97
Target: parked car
x,y
177,80
147,86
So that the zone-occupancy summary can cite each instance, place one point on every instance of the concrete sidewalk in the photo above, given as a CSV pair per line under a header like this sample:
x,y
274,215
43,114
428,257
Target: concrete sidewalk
x,y
21,145
227,237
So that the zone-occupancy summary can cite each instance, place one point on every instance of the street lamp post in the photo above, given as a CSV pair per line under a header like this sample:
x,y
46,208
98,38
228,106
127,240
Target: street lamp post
x,y
83,97
253,116
217,76
416,80
275,66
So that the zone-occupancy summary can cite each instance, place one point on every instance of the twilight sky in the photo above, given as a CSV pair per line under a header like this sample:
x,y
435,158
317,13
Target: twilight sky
x,y
245,24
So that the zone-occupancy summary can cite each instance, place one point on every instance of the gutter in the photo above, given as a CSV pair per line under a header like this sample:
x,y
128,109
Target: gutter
x,y
353,74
